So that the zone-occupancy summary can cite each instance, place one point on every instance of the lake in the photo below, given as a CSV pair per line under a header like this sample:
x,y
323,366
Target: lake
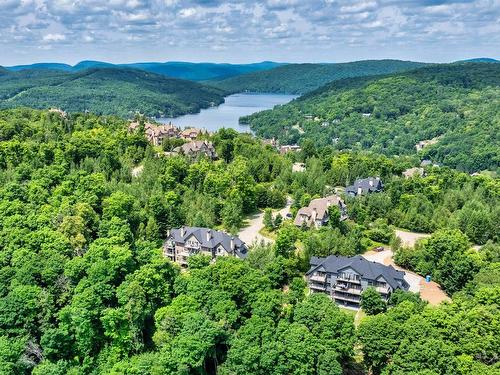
x,y
227,114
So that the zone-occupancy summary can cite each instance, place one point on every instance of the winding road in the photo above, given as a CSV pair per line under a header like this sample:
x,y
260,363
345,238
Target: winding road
x,y
250,233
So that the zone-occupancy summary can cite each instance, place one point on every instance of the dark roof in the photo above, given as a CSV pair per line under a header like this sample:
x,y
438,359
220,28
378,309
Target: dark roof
x,y
364,184
216,238
367,269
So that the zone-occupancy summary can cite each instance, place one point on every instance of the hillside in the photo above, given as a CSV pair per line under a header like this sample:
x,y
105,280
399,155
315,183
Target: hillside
x,y
457,102
118,91
302,78
87,288
173,69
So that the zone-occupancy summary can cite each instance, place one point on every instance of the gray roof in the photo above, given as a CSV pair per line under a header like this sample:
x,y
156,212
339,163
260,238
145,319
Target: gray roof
x,y
210,239
367,185
367,269
194,147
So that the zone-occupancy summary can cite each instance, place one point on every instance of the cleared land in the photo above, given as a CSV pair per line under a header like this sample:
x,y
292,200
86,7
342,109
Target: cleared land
x,y
429,291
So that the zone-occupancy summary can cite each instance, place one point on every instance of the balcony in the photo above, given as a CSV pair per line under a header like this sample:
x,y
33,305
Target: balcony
x,y
382,289
169,250
349,278
348,298
315,286
340,288
318,278
192,245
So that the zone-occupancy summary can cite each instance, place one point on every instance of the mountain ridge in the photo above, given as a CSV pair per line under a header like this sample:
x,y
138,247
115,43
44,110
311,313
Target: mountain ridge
x,y
175,69
392,113
104,90
306,77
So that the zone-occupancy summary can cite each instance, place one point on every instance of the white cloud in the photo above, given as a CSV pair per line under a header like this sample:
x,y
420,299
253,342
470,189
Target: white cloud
x,y
242,27
54,38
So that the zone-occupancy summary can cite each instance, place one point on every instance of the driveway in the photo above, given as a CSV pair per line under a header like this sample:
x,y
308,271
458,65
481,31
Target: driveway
x,y
408,239
250,233
429,291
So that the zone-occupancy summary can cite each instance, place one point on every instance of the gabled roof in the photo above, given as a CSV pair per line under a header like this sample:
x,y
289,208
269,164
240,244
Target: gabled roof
x,y
367,185
210,238
366,269
319,207
196,146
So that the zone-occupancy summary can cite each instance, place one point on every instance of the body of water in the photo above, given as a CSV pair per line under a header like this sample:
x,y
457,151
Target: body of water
x,y
227,114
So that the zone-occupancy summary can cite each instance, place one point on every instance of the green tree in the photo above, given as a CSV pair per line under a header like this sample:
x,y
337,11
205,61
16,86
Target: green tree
x,y
334,216
372,302
278,220
285,242
268,219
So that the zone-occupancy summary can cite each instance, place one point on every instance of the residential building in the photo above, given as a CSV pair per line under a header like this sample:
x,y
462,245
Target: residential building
x,y
288,148
183,242
412,172
195,149
271,142
426,163
156,134
59,111
316,214
428,142
365,186
298,167
190,133
345,278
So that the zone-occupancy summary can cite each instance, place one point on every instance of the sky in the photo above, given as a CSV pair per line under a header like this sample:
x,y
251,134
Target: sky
x,y
241,31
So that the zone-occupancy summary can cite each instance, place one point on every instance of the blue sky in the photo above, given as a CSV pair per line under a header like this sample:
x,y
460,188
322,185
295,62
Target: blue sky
x,y
247,30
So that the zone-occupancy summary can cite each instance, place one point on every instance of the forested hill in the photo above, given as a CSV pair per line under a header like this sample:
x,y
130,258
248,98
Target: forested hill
x,y
173,69
302,78
117,91
457,103
85,288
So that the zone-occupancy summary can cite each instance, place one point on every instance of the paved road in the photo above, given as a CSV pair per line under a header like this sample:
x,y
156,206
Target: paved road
x,y
429,291
250,233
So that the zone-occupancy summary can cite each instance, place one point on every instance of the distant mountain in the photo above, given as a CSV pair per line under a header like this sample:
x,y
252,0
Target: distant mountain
x,y
117,91
88,64
203,71
457,104
41,66
174,69
302,78
481,59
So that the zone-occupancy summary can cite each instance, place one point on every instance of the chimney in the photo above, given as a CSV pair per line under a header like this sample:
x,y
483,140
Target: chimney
x,y
209,235
168,233
360,190
183,231
231,245
370,181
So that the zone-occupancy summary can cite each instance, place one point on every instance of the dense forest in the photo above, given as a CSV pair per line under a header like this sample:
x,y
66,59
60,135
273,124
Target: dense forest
x,y
303,78
85,289
172,69
117,91
454,105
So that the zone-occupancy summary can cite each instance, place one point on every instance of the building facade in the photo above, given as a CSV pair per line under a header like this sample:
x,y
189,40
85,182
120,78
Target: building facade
x,y
183,242
195,149
316,214
345,278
